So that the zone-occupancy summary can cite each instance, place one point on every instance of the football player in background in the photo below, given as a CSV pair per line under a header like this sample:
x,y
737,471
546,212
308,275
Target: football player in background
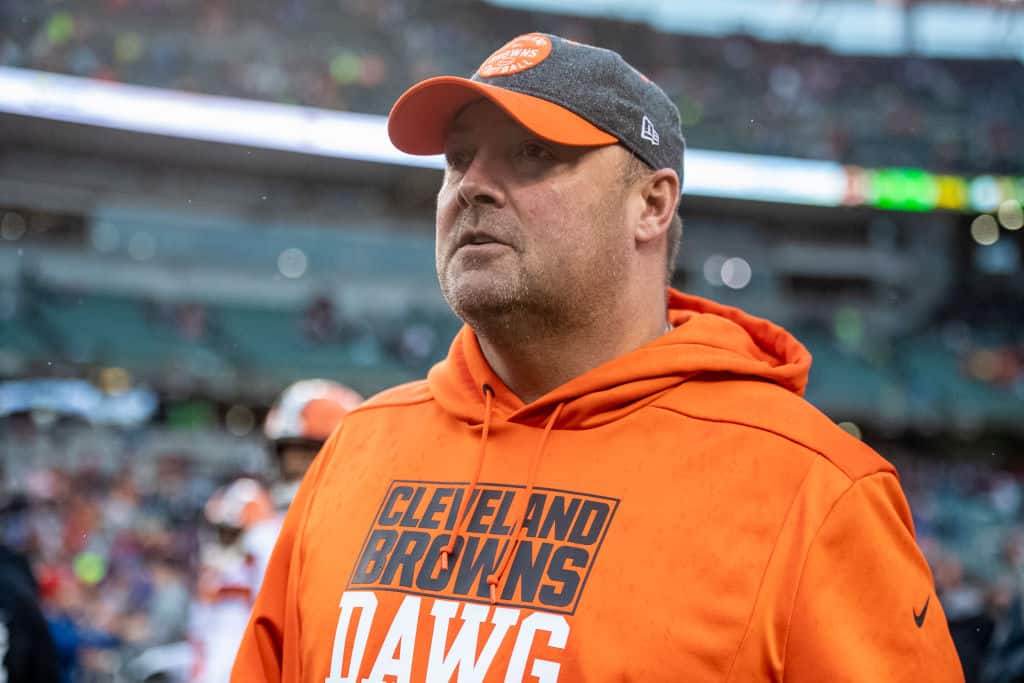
x,y
298,424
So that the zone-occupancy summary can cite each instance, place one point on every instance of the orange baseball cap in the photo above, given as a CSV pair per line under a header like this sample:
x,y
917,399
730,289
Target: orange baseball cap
x,y
563,91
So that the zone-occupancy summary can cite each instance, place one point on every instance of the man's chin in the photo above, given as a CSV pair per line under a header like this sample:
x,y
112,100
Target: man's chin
x,y
479,306
476,297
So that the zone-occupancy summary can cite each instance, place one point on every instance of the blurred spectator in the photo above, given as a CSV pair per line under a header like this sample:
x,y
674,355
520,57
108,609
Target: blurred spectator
x,y
71,612
27,653
227,577
166,620
191,321
1004,660
157,647
318,323
298,424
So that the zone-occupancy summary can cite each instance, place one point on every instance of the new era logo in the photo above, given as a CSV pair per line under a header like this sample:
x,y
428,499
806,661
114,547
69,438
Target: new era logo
x,y
648,132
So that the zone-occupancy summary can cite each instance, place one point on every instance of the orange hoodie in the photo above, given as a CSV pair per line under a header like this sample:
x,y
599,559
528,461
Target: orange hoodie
x,y
678,514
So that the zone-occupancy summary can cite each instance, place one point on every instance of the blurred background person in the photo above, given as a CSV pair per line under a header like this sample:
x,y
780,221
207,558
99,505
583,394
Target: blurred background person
x,y
159,645
296,427
27,652
227,575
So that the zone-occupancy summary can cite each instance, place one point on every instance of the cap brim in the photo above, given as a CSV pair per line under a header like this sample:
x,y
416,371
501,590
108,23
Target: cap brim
x,y
420,119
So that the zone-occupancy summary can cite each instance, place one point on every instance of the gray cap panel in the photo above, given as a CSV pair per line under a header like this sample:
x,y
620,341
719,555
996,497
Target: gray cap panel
x,y
601,87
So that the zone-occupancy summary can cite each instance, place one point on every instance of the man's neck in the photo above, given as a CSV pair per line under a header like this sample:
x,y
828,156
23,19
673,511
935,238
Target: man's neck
x,y
533,363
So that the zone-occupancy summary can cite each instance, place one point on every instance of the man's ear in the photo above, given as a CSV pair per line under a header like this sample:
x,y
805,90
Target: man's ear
x,y
660,193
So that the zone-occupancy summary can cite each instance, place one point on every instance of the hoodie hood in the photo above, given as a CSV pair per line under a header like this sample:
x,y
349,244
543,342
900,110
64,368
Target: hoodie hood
x,y
707,339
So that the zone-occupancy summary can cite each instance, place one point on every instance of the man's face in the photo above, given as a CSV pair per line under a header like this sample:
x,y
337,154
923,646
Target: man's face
x,y
525,225
294,461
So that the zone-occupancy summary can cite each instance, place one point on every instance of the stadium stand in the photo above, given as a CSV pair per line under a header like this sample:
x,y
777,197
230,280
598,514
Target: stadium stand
x,y
735,93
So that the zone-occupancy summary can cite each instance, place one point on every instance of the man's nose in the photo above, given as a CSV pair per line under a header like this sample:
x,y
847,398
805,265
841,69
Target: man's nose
x,y
481,183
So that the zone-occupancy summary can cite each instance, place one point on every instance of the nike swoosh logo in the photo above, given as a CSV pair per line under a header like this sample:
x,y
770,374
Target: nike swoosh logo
x,y
919,618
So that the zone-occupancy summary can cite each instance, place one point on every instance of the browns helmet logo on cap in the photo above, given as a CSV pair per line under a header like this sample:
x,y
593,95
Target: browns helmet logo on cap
x,y
519,54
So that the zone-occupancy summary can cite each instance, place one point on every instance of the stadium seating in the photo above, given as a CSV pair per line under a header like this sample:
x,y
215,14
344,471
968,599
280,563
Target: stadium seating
x,y
945,115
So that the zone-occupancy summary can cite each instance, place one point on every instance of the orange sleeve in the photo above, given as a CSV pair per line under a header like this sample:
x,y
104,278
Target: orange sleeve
x,y
865,608
269,645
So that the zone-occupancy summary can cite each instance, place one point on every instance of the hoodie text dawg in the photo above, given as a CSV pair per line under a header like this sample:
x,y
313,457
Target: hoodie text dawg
x,y
679,513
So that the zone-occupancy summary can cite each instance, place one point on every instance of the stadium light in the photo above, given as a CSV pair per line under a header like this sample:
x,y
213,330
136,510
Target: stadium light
x,y
363,137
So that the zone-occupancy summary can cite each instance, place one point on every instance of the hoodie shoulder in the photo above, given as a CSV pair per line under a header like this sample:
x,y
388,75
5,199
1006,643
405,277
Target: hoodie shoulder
x,y
406,394
765,406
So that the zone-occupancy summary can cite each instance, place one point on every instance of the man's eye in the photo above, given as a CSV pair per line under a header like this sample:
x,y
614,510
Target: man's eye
x,y
456,159
534,150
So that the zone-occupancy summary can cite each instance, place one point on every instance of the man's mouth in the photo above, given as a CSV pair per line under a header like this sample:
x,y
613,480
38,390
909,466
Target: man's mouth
x,y
477,239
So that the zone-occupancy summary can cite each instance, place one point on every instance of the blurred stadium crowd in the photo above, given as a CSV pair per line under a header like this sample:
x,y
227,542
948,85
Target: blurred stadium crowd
x,y
969,518
114,545
735,94
148,545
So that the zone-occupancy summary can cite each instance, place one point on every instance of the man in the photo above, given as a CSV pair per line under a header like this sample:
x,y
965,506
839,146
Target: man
x,y
227,577
297,425
601,481
247,519
27,652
